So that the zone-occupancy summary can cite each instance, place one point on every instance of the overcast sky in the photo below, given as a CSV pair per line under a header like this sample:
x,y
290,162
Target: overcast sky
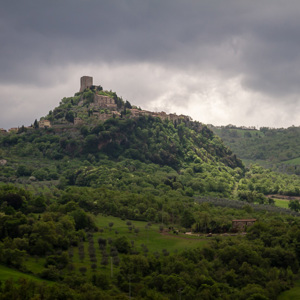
x,y
221,62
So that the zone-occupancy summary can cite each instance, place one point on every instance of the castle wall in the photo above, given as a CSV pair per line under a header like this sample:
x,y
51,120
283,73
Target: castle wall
x,y
103,101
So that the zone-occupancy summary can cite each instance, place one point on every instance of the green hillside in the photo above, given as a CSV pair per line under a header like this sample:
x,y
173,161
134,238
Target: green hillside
x,y
107,201
278,149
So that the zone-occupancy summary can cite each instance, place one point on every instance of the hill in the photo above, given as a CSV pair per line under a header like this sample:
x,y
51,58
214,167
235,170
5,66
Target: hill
x,y
278,149
97,196
89,135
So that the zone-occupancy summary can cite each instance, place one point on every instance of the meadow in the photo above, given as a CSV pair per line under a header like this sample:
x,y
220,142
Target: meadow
x,y
9,273
282,203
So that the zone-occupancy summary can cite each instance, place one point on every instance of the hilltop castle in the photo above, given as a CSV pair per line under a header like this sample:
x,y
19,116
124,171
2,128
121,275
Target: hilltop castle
x,y
105,102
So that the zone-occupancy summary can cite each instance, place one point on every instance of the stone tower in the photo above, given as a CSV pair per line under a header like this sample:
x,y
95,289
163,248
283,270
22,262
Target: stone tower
x,y
85,82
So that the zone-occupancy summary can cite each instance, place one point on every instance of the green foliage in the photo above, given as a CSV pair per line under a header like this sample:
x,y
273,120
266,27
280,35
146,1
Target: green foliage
x,y
294,205
35,124
292,294
165,178
260,181
70,116
274,148
122,244
23,170
88,96
82,220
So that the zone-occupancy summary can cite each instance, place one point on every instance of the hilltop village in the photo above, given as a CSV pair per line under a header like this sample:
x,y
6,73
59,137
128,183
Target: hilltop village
x,y
101,101
95,104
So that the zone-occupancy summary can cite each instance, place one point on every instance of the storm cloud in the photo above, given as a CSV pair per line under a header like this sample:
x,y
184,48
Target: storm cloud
x,y
220,62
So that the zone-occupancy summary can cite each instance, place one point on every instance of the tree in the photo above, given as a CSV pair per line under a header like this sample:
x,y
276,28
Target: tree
x,y
102,243
82,270
127,105
36,124
82,220
40,174
111,224
84,130
91,143
187,219
13,199
122,244
13,257
294,205
70,116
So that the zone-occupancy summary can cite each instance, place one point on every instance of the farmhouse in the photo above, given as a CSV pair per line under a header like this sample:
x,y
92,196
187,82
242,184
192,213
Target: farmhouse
x,y
242,224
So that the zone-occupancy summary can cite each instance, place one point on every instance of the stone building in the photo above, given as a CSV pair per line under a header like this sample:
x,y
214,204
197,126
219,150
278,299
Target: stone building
x,y
44,123
242,224
13,129
185,118
135,112
115,114
85,82
164,116
2,130
103,102
138,113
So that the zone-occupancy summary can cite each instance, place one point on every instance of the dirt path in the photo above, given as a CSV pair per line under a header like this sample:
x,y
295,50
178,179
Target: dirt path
x,y
180,236
197,237
283,197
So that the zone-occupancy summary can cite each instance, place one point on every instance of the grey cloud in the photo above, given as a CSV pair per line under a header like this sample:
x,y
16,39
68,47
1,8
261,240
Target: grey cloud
x,y
258,42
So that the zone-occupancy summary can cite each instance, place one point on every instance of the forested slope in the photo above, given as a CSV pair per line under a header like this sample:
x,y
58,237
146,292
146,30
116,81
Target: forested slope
x,y
274,148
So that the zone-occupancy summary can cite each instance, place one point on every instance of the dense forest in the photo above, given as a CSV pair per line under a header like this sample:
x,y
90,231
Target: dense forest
x,y
141,208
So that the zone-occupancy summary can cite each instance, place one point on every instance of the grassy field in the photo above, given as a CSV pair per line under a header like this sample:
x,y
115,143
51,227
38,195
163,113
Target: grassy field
x,y
150,236
295,161
292,294
8,273
34,264
282,203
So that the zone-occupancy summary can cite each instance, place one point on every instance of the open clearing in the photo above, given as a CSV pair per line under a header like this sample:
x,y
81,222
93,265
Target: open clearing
x,y
292,294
